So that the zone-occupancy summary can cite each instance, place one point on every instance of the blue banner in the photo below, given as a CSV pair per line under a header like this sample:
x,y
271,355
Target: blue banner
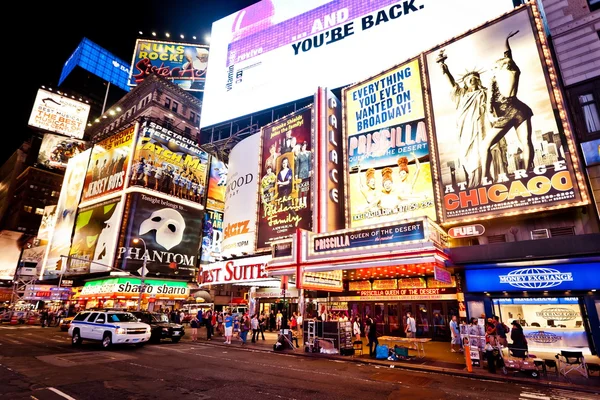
x,y
376,236
539,278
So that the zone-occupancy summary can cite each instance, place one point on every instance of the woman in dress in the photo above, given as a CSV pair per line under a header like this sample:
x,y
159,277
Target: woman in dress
x,y
284,179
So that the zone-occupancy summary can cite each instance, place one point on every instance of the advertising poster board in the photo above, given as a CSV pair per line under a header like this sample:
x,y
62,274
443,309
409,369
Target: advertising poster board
x,y
95,238
108,165
239,221
286,171
60,114
66,210
299,45
169,163
217,185
500,147
9,256
171,235
56,151
47,224
212,234
387,148
182,63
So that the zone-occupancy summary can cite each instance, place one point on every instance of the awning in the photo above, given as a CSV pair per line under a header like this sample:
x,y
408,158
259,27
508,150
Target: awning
x,y
201,296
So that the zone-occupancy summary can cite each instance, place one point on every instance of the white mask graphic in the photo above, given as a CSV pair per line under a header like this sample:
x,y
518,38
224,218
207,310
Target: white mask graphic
x,y
169,226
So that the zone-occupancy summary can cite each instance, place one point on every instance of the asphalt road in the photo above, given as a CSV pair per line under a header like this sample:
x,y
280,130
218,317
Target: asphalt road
x,y
38,363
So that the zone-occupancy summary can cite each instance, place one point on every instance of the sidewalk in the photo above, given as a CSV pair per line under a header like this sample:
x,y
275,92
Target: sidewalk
x,y
438,358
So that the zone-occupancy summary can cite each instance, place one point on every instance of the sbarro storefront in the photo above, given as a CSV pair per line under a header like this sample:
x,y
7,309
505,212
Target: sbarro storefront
x,y
124,292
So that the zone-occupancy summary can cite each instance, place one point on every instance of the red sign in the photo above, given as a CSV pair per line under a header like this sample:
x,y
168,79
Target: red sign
x,y
235,271
466,231
440,274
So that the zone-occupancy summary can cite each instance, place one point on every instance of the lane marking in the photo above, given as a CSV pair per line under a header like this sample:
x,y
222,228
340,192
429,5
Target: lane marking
x,y
539,396
62,394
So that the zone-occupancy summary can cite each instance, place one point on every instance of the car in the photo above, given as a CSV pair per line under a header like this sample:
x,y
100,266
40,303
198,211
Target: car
x,y
65,323
160,326
108,327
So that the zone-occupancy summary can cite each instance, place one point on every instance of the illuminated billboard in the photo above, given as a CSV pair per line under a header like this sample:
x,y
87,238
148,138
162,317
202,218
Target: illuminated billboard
x,y
95,238
47,224
299,45
171,235
109,165
286,170
501,148
387,148
239,221
217,184
212,234
60,114
56,151
66,210
169,163
9,256
183,64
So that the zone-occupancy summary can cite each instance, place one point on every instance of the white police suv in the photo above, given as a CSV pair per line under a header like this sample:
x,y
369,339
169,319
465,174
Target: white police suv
x,y
108,327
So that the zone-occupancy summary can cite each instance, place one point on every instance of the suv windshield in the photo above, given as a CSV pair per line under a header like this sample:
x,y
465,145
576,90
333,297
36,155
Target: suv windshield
x,y
121,317
160,318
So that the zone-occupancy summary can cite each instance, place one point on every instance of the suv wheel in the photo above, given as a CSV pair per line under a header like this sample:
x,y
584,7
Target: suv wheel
x,y
106,341
76,339
176,339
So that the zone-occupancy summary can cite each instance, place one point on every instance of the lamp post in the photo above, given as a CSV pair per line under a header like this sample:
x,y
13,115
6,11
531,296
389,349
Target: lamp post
x,y
142,286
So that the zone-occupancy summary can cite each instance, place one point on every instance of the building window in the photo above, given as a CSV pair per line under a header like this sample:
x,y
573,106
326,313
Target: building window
x,y
39,211
187,130
167,102
192,116
585,105
54,193
594,5
28,209
175,106
589,106
168,122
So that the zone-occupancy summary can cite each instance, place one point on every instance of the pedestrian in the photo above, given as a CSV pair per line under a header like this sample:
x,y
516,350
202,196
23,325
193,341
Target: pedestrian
x,y
245,328
279,318
236,326
220,323
262,323
294,322
455,333
371,335
194,324
519,345
501,331
356,329
228,327
199,316
181,317
254,324
410,327
272,321
44,317
208,323
213,322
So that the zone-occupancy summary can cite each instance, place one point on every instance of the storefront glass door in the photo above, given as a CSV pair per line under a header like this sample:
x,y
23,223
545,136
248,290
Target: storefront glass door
x,y
379,318
393,327
422,320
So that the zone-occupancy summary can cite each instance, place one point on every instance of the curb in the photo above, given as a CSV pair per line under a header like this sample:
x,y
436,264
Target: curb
x,y
424,368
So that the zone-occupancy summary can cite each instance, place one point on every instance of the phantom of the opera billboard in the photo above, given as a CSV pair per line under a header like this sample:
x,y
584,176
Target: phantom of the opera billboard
x,y
108,165
95,238
217,184
171,237
183,64
60,114
501,149
66,210
387,148
212,234
286,171
169,163
56,151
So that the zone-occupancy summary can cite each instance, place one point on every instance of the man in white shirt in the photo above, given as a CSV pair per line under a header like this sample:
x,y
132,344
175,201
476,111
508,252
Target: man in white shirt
x,y
411,326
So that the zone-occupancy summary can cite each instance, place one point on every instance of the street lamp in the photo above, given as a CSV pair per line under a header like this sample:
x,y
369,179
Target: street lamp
x,y
142,288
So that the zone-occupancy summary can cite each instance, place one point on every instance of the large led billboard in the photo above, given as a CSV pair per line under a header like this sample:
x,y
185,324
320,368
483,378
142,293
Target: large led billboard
x,y
212,234
60,114
170,233
56,151
286,178
183,64
299,45
108,166
502,148
167,162
239,221
387,148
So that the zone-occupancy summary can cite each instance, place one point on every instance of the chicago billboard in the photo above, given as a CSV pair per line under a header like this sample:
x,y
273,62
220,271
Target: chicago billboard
x,y
55,113
501,147
56,151
217,184
66,210
167,162
286,170
239,220
108,165
183,64
387,148
171,235
300,45
212,234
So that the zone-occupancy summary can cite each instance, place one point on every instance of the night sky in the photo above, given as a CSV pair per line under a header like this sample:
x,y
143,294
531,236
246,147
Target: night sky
x,y
49,32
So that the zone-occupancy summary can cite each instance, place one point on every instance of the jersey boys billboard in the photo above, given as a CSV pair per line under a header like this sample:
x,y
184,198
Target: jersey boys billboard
x,y
108,165
500,147
167,162
171,235
60,114
299,45
183,64
388,153
286,170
